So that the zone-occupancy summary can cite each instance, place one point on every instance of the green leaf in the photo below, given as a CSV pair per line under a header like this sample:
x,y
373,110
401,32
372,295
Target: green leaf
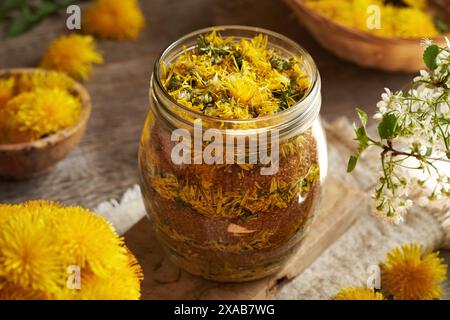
x,y
202,45
24,18
280,63
22,23
27,19
47,7
362,116
429,56
352,163
8,6
360,132
363,139
388,127
12,4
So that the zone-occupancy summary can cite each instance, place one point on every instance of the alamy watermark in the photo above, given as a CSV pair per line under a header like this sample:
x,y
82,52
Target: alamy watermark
x,y
373,21
74,277
214,146
73,21
374,279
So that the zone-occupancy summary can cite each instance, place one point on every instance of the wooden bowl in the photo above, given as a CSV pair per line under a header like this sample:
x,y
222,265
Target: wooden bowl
x,y
29,159
364,49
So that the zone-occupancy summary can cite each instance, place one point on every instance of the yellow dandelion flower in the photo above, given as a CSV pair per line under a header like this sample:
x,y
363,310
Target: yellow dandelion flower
x,y
422,27
256,52
6,90
73,54
215,38
358,294
27,257
114,19
245,90
12,292
339,11
38,242
85,236
124,284
32,115
278,81
411,21
409,273
44,79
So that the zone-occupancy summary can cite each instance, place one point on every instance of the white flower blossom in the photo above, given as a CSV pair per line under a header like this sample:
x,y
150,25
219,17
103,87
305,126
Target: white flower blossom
x,y
422,120
426,42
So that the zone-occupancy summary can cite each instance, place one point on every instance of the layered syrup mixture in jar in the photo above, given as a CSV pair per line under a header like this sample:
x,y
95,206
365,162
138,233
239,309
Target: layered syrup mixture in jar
x,y
228,221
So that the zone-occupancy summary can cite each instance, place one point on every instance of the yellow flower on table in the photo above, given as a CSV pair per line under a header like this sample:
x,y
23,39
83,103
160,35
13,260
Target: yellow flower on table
x,y
409,273
358,294
39,240
72,54
114,19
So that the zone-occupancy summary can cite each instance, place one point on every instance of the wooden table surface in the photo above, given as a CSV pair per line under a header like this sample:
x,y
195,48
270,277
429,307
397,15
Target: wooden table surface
x,y
105,163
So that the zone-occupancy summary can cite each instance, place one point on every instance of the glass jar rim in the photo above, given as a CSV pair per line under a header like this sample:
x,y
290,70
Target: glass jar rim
x,y
298,107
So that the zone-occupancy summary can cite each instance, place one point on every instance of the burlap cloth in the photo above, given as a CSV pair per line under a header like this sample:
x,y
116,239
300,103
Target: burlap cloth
x,y
348,261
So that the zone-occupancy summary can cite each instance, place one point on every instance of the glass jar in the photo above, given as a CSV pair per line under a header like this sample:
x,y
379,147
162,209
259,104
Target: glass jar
x,y
230,221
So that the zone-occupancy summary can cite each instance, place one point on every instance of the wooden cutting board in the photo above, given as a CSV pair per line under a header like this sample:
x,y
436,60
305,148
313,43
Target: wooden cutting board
x,y
340,206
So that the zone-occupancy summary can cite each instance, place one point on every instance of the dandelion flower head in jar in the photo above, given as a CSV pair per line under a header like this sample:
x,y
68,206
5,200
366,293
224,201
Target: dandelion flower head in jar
x,y
230,79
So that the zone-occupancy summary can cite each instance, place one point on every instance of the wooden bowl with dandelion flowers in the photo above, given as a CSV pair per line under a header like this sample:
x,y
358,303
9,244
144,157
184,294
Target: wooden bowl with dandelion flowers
x,y
43,116
368,49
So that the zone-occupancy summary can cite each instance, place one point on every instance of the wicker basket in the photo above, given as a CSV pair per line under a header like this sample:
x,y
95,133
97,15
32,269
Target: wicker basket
x,y
362,48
